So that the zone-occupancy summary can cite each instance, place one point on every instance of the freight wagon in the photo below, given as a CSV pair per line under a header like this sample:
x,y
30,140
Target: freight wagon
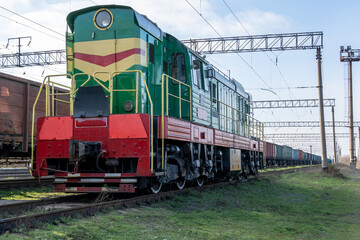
x,y
17,96
278,155
306,156
287,152
300,155
295,154
270,154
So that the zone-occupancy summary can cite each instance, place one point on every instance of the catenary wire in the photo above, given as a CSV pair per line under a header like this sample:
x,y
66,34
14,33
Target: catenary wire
x,y
17,14
251,67
275,63
31,27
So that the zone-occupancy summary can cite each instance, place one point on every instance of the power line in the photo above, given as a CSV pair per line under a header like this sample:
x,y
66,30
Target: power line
x,y
277,67
32,21
93,2
31,27
236,17
257,74
297,116
300,87
203,18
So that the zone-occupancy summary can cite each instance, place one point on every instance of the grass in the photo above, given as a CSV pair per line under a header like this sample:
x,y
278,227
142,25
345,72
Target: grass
x,y
301,205
29,193
271,169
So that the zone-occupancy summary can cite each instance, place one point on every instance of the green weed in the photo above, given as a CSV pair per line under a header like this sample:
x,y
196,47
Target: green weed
x,y
301,205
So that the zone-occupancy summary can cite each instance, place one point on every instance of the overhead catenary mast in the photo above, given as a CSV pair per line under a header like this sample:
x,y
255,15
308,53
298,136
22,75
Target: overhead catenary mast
x,y
350,55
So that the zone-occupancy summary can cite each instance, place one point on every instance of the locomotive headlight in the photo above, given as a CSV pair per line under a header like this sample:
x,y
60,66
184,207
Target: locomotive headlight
x,y
128,106
103,19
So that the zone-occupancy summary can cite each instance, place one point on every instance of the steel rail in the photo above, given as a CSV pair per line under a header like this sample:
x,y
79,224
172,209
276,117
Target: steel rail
x,y
9,224
16,207
25,182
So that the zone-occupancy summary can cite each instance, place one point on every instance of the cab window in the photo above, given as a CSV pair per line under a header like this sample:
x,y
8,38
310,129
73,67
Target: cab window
x,y
213,91
178,68
197,73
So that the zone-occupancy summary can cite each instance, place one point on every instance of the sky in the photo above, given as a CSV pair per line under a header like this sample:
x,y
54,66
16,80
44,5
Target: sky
x,y
338,21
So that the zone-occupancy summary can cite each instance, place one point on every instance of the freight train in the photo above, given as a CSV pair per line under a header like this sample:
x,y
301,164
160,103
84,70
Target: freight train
x,y
279,155
145,111
17,96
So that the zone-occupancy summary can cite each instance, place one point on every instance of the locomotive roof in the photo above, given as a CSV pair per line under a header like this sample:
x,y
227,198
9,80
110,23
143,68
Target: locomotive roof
x,y
142,20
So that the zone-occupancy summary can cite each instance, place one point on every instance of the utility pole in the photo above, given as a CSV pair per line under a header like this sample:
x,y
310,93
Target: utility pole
x,y
350,55
351,119
19,46
324,162
333,128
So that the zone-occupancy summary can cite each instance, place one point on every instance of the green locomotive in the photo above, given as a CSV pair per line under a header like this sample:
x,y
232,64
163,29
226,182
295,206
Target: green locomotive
x,y
134,85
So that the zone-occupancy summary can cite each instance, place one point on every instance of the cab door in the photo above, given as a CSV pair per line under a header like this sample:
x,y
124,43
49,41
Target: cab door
x,y
179,87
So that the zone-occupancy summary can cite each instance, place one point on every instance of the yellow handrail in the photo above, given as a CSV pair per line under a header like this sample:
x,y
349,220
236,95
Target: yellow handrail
x,y
73,90
45,82
136,108
165,78
255,126
50,98
136,90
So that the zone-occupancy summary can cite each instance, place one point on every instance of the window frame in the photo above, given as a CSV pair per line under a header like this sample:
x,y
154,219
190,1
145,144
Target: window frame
x,y
176,54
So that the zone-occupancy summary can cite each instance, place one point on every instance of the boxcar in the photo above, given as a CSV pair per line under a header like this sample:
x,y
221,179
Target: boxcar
x,y
287,153
17,96
270,154
306,156
300,155
270,151
279,152
295,154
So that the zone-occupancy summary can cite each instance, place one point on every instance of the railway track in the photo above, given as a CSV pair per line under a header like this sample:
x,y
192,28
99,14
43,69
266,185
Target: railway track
x,y
73,209
14,161
25,182
14,172
19,207
20,177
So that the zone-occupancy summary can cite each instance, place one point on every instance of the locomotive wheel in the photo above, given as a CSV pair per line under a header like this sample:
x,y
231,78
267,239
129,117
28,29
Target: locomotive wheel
x,y
155,186
244,176
240,177
200,181
180,183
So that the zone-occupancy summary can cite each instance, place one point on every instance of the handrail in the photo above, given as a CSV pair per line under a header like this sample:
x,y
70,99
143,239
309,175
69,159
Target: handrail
x,y
255,126
73,90
52,95
45,82
136,90
165,78
50,98
178,97
136,108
